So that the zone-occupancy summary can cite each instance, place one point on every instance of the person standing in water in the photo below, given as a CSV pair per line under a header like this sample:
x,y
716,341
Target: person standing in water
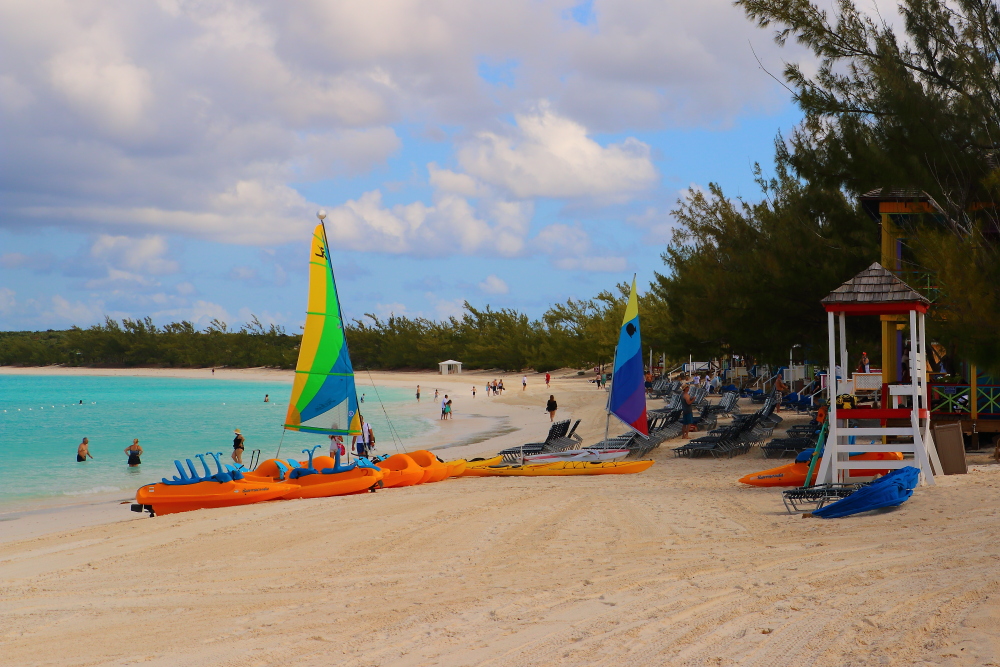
x,y
83,451
134,451
418,393
238,447
267,399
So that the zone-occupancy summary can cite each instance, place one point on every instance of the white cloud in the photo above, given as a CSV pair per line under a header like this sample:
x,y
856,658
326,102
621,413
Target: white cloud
x,y
552,156
77,313
494,285
155,117
144,255
569,247
185,288
451,225
658,225
242,273
445,308
7,301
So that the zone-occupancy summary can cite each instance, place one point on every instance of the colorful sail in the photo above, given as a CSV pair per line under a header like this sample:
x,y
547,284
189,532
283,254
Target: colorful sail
x,y
324,399
628,389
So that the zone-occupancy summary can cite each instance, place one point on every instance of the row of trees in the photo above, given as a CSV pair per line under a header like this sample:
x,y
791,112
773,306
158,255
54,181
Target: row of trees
x,y
573,334
913,113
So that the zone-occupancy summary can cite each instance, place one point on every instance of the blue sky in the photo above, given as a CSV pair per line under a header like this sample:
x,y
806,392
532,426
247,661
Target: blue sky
x,y
168,159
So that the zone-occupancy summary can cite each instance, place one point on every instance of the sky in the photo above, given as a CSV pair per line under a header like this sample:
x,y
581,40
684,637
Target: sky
x,y
167,158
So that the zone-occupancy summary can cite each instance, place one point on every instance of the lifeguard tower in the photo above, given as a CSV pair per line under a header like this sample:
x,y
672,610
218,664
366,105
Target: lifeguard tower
x,y
877,292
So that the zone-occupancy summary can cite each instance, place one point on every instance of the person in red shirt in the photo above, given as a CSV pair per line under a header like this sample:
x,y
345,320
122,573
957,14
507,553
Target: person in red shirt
x,y
548,378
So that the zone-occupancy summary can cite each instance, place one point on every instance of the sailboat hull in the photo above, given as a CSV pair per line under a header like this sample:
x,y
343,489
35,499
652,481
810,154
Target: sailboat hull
x,y
435,470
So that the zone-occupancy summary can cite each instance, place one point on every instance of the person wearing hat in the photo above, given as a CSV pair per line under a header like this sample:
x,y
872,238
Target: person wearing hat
x,y
865,366
238,448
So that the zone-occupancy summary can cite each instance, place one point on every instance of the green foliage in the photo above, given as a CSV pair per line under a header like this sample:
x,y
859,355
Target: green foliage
x,y
575,334
142,343
919,112
747,278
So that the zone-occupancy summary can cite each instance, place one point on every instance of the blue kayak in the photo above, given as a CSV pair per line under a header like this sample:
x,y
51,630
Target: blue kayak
x,y
889,490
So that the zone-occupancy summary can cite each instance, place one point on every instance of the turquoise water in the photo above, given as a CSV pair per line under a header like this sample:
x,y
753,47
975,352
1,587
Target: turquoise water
x,y
42,422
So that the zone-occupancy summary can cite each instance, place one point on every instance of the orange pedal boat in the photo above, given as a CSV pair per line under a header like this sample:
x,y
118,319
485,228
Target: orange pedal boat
x,y
191,491
319,477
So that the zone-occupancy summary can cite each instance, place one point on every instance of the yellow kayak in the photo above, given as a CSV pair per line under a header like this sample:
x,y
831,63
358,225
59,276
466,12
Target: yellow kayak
x,y
475,464
456,467
560,469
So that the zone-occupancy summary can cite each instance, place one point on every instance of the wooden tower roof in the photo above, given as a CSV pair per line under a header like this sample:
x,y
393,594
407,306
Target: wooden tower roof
x,y
875,290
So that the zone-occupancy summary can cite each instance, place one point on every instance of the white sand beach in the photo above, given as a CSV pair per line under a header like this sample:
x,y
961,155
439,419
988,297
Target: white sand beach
x,y
679,565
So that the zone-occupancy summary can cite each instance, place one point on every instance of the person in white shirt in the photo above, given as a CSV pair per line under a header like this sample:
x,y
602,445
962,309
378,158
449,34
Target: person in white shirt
x,y
524,383
366,441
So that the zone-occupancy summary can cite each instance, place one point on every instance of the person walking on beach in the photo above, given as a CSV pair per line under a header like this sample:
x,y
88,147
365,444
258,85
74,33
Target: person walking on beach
x,y
687,418
365,442
134,451
551,406
473,392
444,407
548,378
418,393
779,389
500,386
83,450
524,383
238,447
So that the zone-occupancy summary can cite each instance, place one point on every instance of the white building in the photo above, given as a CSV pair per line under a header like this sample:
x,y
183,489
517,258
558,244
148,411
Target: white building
x,y
450,367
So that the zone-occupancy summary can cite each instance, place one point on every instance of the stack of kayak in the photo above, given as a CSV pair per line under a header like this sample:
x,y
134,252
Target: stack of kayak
x,y
286,479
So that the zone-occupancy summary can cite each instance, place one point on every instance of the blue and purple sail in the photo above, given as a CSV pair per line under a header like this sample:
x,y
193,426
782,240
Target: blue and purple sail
x,y
628,389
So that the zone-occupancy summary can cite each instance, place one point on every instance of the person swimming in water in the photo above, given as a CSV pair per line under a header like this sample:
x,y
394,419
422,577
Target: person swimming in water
x,y
267,399
134,451
83,451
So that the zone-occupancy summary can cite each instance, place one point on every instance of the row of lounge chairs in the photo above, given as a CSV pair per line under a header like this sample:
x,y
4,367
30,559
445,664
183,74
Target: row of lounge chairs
x,y
560,438
738,437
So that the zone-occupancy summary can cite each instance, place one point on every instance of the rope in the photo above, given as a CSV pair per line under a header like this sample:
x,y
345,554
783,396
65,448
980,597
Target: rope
x,y
279,443
397,441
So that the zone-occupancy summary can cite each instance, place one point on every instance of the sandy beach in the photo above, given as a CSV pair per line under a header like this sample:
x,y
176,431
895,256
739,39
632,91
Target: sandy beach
x,y
679,565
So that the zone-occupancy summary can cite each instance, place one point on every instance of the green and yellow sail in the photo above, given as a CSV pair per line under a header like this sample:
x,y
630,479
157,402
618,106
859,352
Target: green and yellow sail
x,y
324,399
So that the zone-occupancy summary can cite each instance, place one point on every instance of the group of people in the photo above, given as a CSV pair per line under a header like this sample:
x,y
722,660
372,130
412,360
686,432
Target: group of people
x,y
133,451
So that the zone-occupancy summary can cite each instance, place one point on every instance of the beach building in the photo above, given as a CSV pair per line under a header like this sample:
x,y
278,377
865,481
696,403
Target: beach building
x,y
450,367
957,391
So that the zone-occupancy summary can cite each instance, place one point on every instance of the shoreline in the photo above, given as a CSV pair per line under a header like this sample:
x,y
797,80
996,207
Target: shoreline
x,y
481,426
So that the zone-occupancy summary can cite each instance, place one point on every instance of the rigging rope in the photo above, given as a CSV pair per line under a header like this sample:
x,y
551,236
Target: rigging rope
x,y
397,441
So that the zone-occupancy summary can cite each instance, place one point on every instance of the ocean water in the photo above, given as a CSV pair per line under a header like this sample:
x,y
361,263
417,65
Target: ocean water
x,y
42,422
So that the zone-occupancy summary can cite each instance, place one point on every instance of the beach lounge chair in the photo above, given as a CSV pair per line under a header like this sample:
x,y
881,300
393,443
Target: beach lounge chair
x,y
554,442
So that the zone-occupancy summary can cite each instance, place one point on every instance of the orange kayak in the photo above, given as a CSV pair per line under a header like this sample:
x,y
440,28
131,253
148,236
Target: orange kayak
x,y
400,470
356,479
794,474
434,470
